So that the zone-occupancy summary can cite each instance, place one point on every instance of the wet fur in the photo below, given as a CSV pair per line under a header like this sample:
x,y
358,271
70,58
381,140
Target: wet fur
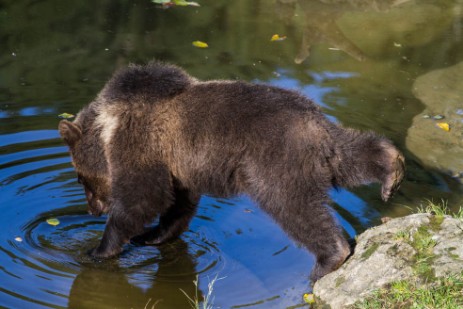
x,y
155,139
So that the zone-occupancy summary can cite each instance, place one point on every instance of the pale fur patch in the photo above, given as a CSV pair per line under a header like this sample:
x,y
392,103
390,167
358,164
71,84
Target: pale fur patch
x,y
108,122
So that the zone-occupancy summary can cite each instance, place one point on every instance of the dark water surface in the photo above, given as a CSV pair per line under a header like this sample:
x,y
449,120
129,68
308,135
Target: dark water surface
x,y
358,59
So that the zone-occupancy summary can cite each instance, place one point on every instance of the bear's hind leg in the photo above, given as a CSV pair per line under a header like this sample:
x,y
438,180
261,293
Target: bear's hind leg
x,y
174,221
330,257
313,225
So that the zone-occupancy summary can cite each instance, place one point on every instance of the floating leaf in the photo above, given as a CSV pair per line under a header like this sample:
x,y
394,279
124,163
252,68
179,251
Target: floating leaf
x,y
185,3
276,37
397,44
18,239
444,126
168,3
309,298
438,117
200,44
66,116
53,221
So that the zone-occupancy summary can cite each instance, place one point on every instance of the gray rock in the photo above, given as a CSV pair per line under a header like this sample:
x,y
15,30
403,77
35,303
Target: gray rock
x,y
388,253
449,251
442,93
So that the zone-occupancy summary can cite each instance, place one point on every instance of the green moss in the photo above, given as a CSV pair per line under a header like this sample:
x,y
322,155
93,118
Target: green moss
x,y
402,235
423,243
422,240
453,255
425,290
339,281
435,222
393,250
368,252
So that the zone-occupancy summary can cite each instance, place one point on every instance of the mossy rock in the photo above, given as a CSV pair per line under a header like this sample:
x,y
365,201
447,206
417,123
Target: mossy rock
x,y
419,248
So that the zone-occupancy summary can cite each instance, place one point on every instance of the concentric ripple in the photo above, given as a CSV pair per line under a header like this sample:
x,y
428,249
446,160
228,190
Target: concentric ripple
x,y
44,265
47,266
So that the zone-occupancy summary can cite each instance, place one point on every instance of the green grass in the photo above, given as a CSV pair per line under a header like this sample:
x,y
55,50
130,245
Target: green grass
x,y
402,235
426,291
423,243
444,293
440,210
153,306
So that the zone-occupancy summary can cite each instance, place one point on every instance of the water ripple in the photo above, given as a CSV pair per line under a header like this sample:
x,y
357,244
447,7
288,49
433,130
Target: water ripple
x,y
48,266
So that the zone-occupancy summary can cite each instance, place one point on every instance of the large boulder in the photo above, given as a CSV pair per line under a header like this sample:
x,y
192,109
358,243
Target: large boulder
x,y
442,93
419,248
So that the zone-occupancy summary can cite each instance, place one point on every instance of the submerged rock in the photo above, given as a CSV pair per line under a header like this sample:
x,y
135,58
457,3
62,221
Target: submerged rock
x,y
419,248
442,93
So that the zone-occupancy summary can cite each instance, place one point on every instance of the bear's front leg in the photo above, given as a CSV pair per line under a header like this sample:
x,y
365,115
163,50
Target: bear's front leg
x,y
111,243
136,199
172,222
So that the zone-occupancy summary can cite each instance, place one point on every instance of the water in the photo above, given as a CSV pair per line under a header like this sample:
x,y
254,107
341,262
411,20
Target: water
x,y
361,65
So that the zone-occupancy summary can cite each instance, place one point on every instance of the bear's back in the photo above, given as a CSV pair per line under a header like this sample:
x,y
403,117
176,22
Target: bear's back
x,y
235,110
149,83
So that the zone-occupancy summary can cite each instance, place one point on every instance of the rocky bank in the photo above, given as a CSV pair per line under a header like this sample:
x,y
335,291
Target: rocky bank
x,y
419,248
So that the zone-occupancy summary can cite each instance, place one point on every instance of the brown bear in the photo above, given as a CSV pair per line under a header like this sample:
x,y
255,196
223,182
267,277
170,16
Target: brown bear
x,y
155,139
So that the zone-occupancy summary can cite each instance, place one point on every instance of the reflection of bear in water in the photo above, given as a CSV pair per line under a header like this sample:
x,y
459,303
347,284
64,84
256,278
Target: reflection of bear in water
x,y
138,286
155,138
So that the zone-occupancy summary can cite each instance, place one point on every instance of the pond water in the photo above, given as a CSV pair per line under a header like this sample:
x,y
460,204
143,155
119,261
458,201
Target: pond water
x,y
357,59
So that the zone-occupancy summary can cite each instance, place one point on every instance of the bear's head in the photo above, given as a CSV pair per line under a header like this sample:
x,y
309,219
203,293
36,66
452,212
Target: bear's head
x,y
89,162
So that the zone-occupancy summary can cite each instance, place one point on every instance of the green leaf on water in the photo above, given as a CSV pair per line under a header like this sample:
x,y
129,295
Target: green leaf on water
x,y
53,221
185,3
438,117
66,116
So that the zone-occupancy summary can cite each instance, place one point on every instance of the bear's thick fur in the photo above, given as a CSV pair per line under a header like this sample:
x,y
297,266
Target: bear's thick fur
x,y
155,139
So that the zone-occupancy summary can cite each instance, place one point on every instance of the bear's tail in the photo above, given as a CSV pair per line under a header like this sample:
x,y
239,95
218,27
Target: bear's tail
x,y
147,83
365,157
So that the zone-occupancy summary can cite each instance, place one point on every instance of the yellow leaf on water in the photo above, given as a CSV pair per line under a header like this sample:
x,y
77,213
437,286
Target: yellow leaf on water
x,y
66,116
53,221
444,126
200,44
276,37
309,298
18,239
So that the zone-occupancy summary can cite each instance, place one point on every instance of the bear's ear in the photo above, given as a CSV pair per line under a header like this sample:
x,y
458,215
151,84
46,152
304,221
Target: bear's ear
x,y
70,132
